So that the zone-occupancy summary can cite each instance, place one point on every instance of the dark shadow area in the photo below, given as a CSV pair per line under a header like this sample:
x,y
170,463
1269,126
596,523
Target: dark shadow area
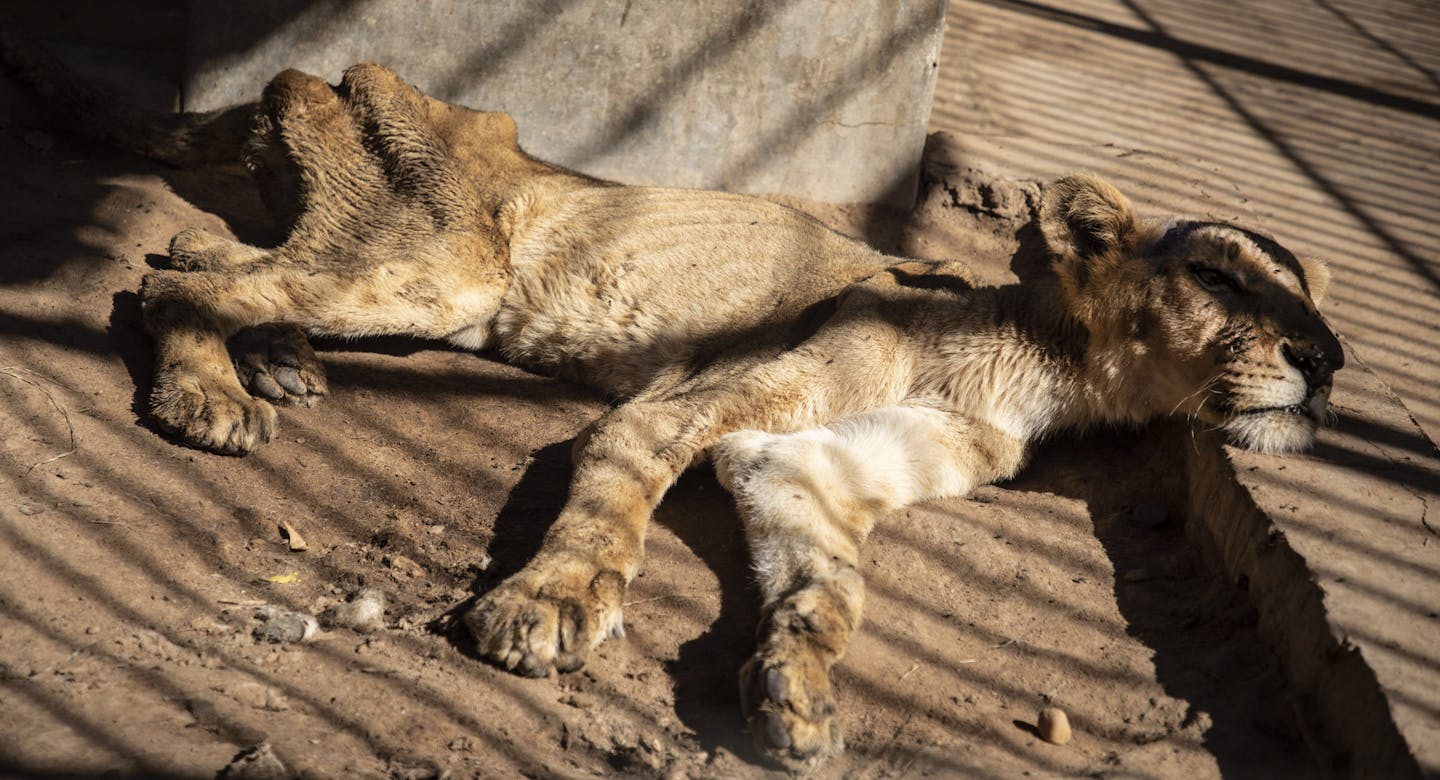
x,y
1028,728
127,339
705,674
529,511
1031,261
1201,627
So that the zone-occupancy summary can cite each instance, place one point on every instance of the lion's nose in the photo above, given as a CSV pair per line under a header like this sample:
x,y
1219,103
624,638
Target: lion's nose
x,y
1315,363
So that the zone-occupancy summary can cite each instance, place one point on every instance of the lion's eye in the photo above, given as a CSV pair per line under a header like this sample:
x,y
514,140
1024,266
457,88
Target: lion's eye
x,y
1211,279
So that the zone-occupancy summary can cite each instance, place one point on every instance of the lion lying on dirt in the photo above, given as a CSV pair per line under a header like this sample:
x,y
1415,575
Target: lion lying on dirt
x,y
830,384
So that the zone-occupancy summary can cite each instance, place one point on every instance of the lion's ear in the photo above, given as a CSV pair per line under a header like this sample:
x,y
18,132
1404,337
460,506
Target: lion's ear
x,y
1082,217
1317,278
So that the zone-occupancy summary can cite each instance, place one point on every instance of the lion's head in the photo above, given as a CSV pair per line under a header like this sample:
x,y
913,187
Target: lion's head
x,y
1217,321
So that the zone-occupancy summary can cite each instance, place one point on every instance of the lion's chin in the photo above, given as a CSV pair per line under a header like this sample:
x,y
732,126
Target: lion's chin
x,y
1278,429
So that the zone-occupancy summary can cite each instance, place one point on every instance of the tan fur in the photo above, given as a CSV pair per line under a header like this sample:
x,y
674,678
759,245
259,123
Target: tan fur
x,y
832,384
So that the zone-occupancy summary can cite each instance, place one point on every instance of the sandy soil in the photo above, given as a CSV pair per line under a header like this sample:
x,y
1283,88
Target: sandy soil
x,y
1318,119
135,570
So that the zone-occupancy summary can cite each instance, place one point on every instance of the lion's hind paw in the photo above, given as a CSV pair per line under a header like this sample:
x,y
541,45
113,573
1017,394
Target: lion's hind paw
x,y
212,417
790,707
277,363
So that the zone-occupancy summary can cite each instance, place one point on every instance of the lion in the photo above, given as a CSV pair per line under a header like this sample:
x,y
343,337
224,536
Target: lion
x,y
830,384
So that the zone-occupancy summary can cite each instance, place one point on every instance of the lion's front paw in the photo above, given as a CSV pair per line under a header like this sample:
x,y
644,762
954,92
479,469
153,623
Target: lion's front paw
x,y
277,363
211,416
786,696
548,618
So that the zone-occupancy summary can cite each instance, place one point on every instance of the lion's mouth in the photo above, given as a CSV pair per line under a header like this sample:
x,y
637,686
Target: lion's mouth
x,y
1295,409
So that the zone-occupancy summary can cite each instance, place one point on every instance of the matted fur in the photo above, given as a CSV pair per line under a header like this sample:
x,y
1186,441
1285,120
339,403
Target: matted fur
x,y
831,383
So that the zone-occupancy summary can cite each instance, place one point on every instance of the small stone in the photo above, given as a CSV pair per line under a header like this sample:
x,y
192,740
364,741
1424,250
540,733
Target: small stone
x,y
30,509
408,767
365,612
257,696
293,538
582,701
403,567
1053,726
256,763
283,626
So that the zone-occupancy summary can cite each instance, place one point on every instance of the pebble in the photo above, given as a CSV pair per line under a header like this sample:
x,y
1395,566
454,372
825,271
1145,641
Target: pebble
x,y
1053,725
364,612
293,538
583,701
403,567
257,696
256,763
282,626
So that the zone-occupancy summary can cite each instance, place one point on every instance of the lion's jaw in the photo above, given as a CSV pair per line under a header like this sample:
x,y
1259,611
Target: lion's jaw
x,y
1284,419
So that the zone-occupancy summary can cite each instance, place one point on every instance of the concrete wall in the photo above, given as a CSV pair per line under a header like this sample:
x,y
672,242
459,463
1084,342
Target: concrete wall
x,y
809,98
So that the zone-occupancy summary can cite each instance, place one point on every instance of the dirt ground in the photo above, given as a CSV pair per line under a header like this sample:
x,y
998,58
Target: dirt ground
x,y
136,571
1320,119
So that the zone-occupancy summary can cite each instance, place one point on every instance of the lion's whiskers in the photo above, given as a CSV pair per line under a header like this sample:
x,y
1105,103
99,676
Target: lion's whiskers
x,y
1205,386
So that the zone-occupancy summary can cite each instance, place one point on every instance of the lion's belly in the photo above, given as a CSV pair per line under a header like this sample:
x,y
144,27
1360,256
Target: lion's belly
x,y
623,284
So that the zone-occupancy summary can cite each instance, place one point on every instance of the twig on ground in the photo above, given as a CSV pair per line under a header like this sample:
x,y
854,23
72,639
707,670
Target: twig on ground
x,y
10,371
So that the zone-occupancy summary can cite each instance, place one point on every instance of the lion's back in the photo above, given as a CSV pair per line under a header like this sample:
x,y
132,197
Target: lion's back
x,y
613,285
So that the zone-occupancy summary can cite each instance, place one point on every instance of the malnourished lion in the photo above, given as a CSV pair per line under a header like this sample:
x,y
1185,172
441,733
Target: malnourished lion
x,y
829,383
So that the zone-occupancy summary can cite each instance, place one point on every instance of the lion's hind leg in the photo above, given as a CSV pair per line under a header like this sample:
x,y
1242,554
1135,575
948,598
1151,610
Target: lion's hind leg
x,y
808,500
273,361
386,238
196,394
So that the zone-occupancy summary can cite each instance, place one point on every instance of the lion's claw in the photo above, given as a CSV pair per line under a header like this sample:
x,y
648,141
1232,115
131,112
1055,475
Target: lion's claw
x,y
276,362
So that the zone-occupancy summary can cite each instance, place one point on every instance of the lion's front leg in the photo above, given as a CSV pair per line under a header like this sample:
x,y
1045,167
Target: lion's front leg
x,y
808,500
552,613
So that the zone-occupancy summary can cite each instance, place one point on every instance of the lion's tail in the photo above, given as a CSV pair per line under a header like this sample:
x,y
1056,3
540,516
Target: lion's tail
x,y
74,102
